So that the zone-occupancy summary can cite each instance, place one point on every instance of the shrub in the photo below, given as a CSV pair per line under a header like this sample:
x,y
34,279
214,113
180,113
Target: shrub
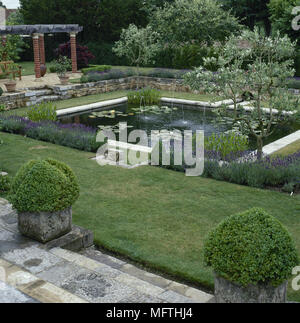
x,y
1,91
251,248
294,83
114,74
84,56
227,143
42,112
70,135
97,68
297,63
62,65
145,96
44,186
5,183
2,107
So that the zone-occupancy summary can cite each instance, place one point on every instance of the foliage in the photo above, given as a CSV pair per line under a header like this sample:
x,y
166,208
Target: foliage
x,y
146,96
71,135
114,74
42,112
250,12
84,56
185,21
138,45
294,83
226,143
101,20
267,172
270,65
62,65
5,183
281,17
251,248
44,186
297,63
14,43
96,68
1,92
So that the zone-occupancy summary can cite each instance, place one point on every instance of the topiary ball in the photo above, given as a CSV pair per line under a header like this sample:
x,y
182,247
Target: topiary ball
x,y
251,248
44,186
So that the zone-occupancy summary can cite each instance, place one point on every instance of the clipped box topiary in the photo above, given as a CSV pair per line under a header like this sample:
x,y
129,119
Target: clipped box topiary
x,y
252,255
43,193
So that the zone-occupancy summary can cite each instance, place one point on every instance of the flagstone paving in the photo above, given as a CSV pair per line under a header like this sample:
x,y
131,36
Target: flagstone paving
x,y
32,272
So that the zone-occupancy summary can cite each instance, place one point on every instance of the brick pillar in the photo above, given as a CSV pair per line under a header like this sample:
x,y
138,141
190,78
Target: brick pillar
x,y
42,48
36,52
73,52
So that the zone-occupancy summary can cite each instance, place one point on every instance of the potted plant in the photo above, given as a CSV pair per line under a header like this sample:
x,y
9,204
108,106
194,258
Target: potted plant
x,y
11,84
252,256
61,66
43,193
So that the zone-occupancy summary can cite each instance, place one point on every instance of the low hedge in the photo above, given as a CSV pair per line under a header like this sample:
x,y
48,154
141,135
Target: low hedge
x,y
251,248
5,183
96,68
75,136
44,186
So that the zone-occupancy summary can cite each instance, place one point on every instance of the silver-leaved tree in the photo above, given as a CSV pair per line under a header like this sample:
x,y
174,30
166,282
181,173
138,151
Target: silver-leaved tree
x,y
254,66
138,45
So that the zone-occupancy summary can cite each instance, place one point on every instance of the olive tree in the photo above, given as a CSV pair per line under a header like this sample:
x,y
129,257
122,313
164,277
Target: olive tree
x,y
138,45
259,66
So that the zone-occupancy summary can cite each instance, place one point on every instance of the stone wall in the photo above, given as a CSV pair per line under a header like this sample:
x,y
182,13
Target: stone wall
x,y
33,96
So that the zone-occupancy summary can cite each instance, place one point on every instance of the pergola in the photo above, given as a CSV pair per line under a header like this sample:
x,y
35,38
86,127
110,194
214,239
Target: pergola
x,y
37,32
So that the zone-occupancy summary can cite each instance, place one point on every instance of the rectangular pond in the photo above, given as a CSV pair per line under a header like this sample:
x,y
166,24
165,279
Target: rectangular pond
x,y
180,117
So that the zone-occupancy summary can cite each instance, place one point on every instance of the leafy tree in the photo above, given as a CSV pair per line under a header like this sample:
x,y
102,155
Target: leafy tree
x,y
269,67
282,17
14,43
251,12
2,4
187,21
138,45
101,20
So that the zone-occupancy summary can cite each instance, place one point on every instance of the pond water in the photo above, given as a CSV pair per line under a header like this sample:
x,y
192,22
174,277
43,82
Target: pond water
x,y
175,117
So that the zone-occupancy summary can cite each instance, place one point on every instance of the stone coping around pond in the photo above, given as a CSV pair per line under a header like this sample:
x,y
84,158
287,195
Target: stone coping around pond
x,y
281,143
90,107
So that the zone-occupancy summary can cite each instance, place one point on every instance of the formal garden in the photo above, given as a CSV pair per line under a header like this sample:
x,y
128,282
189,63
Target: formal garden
x,y
165,68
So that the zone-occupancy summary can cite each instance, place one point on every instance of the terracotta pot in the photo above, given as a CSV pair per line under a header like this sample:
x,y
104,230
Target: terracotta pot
x,y
64,79
10,86
43,70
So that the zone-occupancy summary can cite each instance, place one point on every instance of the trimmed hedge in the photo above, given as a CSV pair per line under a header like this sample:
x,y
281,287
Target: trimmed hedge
x,y
97,68
44,186
251,248
5,183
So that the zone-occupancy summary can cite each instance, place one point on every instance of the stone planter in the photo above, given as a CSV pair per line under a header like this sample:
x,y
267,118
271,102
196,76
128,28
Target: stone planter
x,y
64,79
227,292
45,226
10,86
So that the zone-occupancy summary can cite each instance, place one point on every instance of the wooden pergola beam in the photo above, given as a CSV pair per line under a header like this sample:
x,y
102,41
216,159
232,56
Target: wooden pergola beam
x,y
39,29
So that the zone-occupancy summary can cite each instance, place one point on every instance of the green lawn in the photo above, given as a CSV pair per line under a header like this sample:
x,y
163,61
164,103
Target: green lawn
x,y
63,104
28,68
154,216
289,149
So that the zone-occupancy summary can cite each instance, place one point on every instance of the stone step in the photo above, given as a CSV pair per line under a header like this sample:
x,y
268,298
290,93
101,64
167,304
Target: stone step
x,y
31,271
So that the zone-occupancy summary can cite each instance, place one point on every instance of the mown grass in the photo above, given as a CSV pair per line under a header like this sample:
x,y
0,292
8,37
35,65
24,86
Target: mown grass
x,y
154,216
289,149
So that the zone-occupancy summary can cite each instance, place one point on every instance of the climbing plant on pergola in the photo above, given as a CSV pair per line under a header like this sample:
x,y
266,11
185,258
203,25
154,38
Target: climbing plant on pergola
x,y
37,32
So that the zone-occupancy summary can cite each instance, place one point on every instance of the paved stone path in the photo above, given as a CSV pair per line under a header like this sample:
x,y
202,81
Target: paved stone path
x,y
30,81
31,273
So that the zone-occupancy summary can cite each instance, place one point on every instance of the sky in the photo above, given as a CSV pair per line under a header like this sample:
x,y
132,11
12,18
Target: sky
x,y
11,4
